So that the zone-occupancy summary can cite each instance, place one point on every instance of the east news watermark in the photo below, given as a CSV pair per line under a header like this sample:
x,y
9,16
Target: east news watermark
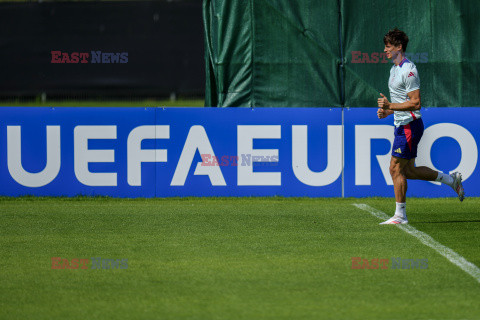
x,y
210,160
95,57
393,263
381,57
89,263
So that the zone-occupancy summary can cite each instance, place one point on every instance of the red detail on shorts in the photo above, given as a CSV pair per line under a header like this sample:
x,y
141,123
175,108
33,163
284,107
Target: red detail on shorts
x,y
413,115
408,135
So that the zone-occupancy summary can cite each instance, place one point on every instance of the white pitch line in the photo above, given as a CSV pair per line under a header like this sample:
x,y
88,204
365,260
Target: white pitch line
x,y
424,238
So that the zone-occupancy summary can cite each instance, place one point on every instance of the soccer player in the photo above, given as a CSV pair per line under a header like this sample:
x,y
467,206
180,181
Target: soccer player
x,y
404,87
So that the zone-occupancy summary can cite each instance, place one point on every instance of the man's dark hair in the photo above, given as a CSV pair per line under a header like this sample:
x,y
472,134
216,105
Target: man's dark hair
x,y
396,37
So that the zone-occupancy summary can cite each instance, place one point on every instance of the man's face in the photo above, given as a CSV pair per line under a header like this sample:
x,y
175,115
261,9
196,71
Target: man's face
x,y
392,51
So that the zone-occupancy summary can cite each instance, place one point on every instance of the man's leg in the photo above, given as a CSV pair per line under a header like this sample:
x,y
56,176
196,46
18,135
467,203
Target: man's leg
x,y
413,133
420,173
397,171
425,173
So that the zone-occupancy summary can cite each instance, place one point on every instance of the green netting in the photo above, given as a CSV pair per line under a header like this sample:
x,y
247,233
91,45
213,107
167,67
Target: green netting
x,y
442,46
283,53
229,51
296,53
272,53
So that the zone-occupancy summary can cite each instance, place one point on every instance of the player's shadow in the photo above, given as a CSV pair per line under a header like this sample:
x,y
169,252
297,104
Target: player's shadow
x,y
449,221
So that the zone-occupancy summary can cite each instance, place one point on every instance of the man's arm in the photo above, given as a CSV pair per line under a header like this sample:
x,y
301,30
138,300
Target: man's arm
x,y
410,105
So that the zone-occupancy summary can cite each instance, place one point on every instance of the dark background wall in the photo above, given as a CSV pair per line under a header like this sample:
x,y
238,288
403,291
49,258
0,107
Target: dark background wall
x,y
163,41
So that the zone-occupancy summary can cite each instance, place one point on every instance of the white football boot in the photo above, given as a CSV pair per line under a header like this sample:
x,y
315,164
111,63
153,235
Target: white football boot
x,y
396,220
457,185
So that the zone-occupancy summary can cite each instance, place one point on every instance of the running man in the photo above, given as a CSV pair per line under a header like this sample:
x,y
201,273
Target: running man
x,y
404,87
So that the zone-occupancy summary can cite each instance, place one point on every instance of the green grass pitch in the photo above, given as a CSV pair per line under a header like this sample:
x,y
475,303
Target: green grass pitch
x,y
108,103
233,258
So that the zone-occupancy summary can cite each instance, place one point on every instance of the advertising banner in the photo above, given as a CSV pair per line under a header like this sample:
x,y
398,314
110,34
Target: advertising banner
x,y
168,152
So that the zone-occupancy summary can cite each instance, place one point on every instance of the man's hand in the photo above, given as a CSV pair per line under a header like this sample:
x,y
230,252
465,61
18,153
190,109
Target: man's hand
x,y
381,113
383,102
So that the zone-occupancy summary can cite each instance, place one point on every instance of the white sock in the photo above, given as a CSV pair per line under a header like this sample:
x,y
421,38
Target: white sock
x,y
444,178
401,210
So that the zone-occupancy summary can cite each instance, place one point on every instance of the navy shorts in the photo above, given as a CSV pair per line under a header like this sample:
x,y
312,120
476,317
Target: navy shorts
x,y
407,138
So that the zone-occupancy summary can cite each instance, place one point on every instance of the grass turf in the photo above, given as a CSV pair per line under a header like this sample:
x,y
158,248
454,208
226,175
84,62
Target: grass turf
x,y
233,258
105,103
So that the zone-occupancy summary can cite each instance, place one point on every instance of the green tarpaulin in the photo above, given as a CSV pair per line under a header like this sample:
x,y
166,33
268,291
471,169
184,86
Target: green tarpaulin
x,y
312,53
